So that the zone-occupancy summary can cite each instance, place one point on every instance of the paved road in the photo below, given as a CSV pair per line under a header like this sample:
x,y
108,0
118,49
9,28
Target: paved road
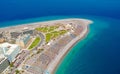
x,y
42,39
41,42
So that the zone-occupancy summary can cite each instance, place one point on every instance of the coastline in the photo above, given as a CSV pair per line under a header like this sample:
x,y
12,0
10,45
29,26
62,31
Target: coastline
x,y
36,24
58,59
69,51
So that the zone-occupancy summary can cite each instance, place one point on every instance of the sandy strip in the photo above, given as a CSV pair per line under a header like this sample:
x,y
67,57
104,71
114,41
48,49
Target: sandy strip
x,y
53,65
36,24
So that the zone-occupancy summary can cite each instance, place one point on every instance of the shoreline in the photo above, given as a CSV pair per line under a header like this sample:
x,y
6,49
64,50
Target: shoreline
x,y
69,51
36,24
58,59
52,66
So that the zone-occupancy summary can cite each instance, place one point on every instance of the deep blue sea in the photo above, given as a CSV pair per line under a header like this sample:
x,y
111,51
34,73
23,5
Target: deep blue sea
x,y
98,53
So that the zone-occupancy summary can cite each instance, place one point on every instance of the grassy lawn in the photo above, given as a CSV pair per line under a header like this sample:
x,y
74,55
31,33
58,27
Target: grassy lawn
x,y
50,32
54,34
51,29
35,42
47,29
62,32
39,29
48,37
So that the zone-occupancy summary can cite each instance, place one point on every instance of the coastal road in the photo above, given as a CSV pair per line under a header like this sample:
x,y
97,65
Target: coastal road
x,y
42,38
41,41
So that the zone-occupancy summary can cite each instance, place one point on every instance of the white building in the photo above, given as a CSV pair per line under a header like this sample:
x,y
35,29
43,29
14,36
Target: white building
x,y
9,50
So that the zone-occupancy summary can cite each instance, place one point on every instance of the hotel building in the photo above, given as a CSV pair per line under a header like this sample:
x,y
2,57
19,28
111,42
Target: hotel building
x,y
23,40
9,50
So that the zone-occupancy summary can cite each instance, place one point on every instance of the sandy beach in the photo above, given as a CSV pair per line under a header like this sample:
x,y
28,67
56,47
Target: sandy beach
x,y
55,63
37,24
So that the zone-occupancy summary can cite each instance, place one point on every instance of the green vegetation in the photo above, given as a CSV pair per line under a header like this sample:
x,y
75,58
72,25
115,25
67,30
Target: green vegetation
x,y
54,34
62,32
35,42
48,37
47,29
50,32
11,64
17,72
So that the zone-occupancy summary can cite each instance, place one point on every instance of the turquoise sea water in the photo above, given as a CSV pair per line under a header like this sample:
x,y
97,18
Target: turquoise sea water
x,y
98,53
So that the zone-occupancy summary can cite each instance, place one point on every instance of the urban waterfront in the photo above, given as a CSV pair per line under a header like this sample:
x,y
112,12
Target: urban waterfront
x,y
98,53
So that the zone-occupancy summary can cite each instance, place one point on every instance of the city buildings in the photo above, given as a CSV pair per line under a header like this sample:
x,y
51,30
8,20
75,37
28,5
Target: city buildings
x,y
4,63
2,39
23,40
26,31
9,50
1,34
15,34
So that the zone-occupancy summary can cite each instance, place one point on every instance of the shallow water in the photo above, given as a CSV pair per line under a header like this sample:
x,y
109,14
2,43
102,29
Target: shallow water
x,y
98,53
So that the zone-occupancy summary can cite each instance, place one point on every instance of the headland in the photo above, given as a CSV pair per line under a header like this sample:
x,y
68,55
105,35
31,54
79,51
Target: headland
x,y
42,45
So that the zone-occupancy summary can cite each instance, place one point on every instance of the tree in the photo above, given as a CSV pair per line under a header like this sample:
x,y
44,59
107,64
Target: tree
x,y
17,72
11,64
